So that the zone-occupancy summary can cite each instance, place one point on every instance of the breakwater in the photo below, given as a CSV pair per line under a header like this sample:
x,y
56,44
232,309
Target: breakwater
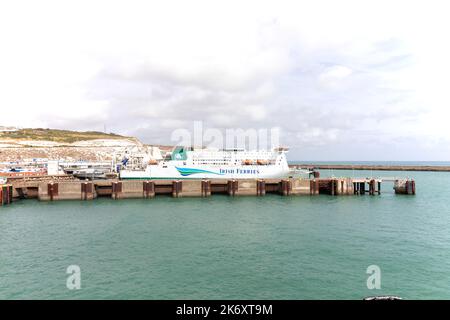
x,y
373,167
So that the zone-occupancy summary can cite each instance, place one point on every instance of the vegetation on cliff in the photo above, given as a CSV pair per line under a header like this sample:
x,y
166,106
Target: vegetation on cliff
x,y
55,135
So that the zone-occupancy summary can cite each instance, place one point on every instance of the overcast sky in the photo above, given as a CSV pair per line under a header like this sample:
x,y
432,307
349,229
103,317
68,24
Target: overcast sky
x,y
343,80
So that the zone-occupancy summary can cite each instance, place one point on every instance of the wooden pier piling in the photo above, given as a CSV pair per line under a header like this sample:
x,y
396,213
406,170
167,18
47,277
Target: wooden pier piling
x,y
87,191
117,190
333,187
52,190
285,187
206,188
260,188
313,187
177,188
232,187
148,189
6,194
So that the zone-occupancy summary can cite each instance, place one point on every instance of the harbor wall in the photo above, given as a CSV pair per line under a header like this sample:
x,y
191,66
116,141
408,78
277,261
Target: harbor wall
x,y
52,190
69,190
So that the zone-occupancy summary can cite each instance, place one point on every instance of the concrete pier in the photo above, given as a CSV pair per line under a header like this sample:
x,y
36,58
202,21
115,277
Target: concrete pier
x,y
68,190
54,189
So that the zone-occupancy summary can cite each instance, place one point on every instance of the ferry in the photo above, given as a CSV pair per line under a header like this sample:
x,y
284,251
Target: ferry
x,y
190,163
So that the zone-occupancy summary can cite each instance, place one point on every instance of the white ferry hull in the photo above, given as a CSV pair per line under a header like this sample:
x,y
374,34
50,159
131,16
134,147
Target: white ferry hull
x,y
207,172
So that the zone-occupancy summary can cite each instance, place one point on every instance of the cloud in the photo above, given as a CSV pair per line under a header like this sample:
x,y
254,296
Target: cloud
x,y
333,76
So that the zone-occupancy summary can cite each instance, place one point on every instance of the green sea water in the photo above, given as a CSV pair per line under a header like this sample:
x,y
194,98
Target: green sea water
x,y
221,247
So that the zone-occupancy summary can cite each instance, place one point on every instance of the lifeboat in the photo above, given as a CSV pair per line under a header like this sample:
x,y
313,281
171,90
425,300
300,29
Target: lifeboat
x,y
153,162
247,162
262,162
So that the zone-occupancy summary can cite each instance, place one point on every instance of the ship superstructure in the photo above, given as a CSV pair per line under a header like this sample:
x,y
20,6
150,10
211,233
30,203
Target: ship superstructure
x,y
190,163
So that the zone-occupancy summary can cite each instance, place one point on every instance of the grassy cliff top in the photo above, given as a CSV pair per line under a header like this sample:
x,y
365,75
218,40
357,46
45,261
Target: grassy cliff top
x,y
62,136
